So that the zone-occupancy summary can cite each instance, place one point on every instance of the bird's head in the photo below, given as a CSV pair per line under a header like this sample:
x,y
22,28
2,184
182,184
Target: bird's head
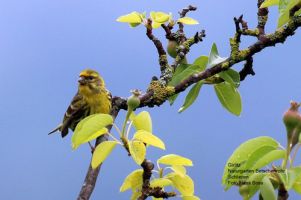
x,y
90,82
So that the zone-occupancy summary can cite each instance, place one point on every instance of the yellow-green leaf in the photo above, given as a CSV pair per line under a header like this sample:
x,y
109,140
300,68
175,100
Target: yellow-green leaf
x,y
184,184
133,18
283,19
173,159
132,181
137,150
133,25
190,198
179,169
188,20
96,134
268,3
160,17
148,138
136,194
143,121
156,25
90,128
101,152
160,182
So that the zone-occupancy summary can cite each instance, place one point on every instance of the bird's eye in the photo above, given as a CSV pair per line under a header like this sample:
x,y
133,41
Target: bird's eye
x,y
90,78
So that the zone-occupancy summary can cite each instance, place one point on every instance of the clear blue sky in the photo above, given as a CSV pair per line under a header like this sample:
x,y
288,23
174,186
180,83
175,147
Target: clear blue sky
x,y
45,44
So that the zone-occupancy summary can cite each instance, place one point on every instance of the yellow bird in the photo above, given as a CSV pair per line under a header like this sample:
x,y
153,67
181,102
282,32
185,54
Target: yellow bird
x,y
92,97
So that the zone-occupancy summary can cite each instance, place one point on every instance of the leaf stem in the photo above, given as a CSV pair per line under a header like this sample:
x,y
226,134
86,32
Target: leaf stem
x,y
128,130
129,112
288,151
295,154
114,138
117,129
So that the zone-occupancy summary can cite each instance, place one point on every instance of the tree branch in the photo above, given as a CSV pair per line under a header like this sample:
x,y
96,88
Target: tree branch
x,y
150,99
282,192
92,174
148,191
181,26
247,69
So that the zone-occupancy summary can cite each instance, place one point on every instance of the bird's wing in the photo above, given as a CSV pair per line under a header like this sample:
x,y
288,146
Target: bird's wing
x,y
75,112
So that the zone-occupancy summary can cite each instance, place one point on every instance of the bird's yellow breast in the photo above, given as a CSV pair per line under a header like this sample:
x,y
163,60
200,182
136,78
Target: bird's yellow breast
x,y
99,103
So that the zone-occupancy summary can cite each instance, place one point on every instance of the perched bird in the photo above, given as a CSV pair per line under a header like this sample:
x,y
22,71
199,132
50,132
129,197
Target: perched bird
x,y
92,97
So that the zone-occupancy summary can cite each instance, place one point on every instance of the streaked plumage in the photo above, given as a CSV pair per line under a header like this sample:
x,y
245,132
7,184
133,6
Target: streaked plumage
x,y
92,97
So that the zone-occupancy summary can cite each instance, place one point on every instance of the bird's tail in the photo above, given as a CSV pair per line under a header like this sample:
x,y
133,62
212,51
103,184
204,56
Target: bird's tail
x,y
56,129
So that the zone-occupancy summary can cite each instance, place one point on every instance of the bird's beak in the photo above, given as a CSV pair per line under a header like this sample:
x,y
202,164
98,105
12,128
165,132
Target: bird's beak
x,y
82,80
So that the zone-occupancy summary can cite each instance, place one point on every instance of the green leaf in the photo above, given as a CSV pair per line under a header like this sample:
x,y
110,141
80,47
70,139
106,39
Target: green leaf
x,y
132,18
173,159
290,177
253,188
267,189
102,151
179,70
297,185
188,71
201,61
172,99
256,155
148,138
284,10
90,128
191,96
231,76
214,57
177,78
241,155
229,97
269,158
188,20
268,3
132,181
184,184
160,182
143,121
137,150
